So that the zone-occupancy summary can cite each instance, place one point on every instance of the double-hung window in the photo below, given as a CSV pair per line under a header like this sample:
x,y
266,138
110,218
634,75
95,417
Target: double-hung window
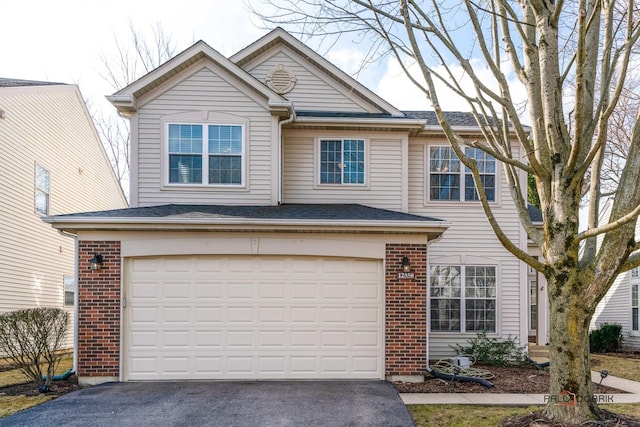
x,y
635,281
206,154
342,161
463,298
42,190
450,180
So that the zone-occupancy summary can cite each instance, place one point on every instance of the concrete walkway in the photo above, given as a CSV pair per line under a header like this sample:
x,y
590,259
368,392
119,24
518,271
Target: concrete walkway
x,y
511,399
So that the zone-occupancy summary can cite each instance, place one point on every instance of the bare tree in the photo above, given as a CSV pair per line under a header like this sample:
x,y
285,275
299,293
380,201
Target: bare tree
x,y
573,59
132,59
32,339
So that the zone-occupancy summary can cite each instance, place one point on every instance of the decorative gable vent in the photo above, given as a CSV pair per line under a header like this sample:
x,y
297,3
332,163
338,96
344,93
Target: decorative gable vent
x,y
281,79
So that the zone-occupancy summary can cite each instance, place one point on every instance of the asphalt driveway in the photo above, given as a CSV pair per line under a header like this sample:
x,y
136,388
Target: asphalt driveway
x,y
262,403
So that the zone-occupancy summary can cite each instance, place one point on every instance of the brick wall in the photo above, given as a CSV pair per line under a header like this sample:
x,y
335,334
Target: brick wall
x,y
99,310
406,311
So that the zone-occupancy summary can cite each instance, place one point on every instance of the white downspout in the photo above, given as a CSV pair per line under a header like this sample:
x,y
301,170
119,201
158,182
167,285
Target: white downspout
x,y
76,273
429,243
290,119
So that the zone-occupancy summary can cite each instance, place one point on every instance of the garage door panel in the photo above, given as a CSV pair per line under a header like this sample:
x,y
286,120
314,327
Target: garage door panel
x,y
239,339
275,292
240,291
210,315
208,339
253,317
175,315
209,291
272,315
334,315
303,315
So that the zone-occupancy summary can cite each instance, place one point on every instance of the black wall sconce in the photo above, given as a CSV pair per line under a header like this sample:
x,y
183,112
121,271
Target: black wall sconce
x,y
96,263
406,265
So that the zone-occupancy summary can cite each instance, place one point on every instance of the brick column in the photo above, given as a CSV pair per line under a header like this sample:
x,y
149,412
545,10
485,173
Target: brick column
x,y
99,313
406,312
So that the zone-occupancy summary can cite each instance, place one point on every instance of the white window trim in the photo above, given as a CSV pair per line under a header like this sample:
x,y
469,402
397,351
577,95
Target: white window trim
x,y
475,263
316,164
166,185
427,181
36,189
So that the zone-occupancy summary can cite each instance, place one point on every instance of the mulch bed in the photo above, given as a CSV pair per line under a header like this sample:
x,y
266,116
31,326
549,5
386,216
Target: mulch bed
x,y
30,389
537,419
510,379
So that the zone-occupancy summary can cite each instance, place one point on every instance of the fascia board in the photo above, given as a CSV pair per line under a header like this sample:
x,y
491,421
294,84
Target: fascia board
x,y
198,48
226,224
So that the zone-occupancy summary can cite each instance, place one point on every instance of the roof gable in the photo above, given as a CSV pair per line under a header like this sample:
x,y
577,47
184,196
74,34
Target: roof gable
x,y
254,54
125,99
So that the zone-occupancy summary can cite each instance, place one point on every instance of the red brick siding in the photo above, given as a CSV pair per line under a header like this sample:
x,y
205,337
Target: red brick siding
x,y
99,310
406,311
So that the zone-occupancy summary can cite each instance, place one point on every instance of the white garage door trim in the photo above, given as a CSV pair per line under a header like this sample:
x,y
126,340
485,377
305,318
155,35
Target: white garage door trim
x,y
253,317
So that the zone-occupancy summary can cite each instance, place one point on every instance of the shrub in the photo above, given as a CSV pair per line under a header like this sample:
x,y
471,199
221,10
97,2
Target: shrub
x,y
33,338
493,351
606,339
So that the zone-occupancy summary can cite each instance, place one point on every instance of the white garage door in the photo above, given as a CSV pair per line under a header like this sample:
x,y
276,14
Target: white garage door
x,y
253,317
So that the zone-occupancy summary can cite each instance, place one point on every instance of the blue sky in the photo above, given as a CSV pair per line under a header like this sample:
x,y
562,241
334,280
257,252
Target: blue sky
x,y
63,41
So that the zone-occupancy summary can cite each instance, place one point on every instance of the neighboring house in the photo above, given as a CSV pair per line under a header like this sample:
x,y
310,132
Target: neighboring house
x,y
52,162
287,222
620,303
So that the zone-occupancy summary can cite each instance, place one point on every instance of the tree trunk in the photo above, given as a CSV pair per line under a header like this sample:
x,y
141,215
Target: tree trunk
x,y
570,396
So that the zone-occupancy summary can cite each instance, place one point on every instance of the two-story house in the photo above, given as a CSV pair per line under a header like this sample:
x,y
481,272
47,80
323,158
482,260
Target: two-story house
x,y
51,162
287,222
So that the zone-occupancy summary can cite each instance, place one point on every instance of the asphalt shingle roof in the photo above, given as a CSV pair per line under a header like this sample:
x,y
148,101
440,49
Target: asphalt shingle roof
x,y
6,82
455,118
336,212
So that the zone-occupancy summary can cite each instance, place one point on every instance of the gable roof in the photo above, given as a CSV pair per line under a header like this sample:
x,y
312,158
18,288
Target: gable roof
x,y
125,99
7,82
280,36
287,217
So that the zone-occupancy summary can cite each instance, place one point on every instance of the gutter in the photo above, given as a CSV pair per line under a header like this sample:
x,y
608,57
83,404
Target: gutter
x,y
432,229
76,272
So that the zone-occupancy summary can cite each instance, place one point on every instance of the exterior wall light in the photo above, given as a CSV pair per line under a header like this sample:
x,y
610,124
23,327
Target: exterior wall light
x,y
96,263
406,265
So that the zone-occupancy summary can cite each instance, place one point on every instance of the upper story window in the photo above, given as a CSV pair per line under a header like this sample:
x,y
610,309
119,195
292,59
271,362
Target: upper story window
x,y
463,298
206,154
41,190
450,180
342,161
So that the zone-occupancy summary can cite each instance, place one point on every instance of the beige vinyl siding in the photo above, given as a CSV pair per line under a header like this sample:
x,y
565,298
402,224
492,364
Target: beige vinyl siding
x,y
470,241
383,188
615,306
314,90
204,91
50,126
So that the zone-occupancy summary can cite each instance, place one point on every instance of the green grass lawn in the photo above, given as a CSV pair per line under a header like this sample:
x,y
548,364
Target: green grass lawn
x,y
618,366
12,404
475,416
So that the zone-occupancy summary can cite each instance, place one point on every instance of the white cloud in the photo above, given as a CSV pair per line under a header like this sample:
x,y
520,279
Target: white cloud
x,y
395,87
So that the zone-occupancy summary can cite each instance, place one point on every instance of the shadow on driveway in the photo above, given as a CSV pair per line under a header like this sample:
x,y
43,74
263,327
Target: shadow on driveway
x,y
262,403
